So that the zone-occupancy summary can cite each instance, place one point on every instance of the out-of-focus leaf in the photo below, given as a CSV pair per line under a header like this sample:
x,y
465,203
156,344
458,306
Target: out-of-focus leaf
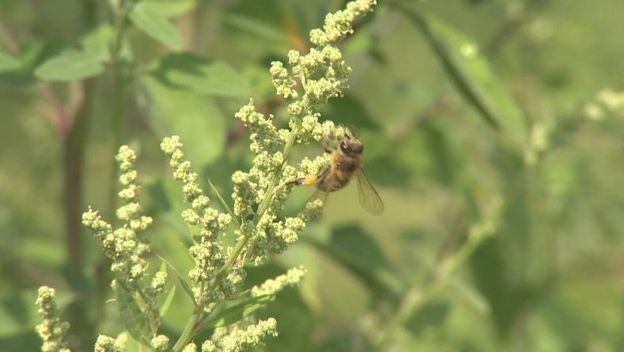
x,y
131,314
70,65
258,28
26,340
430,316
192,116
18,313
237,310
155,24
31,57
352,247
170,8
98,42
348,111
190,72
167,303
471,74
8,62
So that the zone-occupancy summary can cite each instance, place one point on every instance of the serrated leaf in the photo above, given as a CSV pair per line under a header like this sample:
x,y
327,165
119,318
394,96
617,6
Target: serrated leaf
x,y
167,303
190,72
471,74
8,62
70,65
131,314
236,311
358,252
155,25
194,117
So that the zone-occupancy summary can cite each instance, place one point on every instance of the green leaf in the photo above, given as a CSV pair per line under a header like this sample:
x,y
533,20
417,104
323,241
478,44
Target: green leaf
x,y
471,74
357,251
170,8
258,28
98,41
8,62
155,25
183,283
348,111
167,303
70,65
430,316
131,314
194,117
237,310
190,72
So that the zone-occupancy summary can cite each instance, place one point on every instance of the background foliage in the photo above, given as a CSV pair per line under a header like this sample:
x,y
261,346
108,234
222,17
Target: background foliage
x,y
486,132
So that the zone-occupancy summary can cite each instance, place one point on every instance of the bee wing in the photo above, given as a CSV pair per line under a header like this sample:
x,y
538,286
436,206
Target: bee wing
x,y
318,194
368,196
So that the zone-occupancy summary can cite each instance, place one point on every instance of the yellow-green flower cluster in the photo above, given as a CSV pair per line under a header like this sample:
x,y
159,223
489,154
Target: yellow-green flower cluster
x,y
104,344
322,73
607,101
52,330
108,344
207,250
340,23
272,286
237,339
128,247
307,81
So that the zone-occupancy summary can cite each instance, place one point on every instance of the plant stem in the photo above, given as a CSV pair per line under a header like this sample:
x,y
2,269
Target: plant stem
x,y
102,274
189,330
118,99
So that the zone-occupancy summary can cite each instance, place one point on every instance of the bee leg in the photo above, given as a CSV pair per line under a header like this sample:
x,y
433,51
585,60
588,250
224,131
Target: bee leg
x,y
309,180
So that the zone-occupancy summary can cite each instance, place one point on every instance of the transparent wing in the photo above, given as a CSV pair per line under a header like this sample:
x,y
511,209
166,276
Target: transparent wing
x,y
318,194
368,196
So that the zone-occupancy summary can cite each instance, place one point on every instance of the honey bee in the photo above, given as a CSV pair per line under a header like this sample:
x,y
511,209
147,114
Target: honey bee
x,y
346,162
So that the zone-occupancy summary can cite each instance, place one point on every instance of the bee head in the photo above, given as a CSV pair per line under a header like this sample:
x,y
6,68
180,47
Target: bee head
x,y
350,145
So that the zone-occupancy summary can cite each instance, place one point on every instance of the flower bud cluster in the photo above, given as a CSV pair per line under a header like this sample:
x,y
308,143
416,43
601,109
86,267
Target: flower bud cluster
x,y
207,250
272,286
607,101
306,81
321,73
52,330
236,339
128,247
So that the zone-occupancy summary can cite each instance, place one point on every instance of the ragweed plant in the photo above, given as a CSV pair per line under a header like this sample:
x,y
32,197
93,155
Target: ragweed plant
x,y
306,81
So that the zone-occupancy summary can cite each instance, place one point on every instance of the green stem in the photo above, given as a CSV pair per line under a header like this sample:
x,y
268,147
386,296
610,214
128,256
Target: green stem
x,y
118,99
189,330
102,276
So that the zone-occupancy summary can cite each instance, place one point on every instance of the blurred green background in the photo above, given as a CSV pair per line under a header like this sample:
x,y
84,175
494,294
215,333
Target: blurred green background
x,y
493,131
